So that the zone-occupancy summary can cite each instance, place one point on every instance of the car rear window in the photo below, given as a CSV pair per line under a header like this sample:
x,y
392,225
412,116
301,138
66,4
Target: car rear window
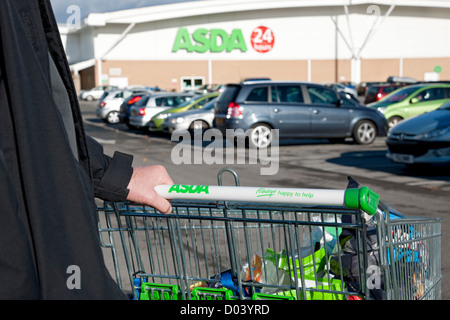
x,y
389,89
143,101
372,91
228,95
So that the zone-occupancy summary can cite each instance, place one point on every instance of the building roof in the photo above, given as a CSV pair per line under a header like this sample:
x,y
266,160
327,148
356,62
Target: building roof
x,y
209,7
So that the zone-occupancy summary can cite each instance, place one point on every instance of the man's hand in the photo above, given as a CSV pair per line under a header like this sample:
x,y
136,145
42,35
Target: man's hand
x,y
142,187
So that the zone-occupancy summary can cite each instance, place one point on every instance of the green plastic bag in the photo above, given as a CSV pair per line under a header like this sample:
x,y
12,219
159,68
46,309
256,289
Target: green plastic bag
x,y
313,271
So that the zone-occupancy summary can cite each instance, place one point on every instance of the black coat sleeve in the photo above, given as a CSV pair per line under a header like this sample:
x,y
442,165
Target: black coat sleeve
x,y
110,175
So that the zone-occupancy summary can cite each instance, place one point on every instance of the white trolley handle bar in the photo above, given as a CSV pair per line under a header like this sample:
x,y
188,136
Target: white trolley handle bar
x,y
356,198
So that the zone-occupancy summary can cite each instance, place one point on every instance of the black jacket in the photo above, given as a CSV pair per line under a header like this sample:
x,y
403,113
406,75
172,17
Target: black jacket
x,y
50,172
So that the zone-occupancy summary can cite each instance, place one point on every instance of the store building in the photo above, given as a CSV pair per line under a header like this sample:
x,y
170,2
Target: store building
x,y
185,45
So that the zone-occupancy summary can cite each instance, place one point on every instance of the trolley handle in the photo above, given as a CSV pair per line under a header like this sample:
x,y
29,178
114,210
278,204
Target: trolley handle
x,y
354,198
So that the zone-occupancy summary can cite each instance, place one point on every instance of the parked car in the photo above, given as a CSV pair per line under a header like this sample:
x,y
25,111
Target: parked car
x,y
157,120
297,110
95,93
109,104
190,120
377,92
411,101
341,88
363,87
149,105
424,139
125,107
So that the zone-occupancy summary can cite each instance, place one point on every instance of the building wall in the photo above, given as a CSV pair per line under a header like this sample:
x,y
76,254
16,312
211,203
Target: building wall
x,y
168,74
310,43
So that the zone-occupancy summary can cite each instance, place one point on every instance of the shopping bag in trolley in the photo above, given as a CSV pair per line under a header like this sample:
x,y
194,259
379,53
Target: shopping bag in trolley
x,y
348,263
310,272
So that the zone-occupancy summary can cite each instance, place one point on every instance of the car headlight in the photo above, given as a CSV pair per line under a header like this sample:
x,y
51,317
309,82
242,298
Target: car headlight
x,y
433,133
176,120
162,116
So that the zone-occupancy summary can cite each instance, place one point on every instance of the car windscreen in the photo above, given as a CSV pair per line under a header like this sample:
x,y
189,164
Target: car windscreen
x,y
445,106
399,95
210,104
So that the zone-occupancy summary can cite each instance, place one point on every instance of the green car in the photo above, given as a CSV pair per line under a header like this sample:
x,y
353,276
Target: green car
x,y
412,101
156,122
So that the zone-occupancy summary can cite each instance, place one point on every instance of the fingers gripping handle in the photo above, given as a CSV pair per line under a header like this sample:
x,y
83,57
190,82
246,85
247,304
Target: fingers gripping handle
x,y
361,198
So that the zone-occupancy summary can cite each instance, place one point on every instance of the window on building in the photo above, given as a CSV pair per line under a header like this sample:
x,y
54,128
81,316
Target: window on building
x,y
191,83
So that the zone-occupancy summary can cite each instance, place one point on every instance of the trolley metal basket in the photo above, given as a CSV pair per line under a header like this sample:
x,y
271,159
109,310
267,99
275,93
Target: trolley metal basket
x,y
354,247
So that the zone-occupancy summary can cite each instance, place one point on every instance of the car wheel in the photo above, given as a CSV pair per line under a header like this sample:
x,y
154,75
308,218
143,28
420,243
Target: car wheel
x,y
393,121
89,98
260,136
198,127
364,132
113,117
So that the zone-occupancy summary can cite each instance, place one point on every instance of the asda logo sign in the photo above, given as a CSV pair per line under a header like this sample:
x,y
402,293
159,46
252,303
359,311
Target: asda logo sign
x,y
218,40
177,188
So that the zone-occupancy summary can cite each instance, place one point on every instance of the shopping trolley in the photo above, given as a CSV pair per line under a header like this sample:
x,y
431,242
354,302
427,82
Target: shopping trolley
x,y
245,243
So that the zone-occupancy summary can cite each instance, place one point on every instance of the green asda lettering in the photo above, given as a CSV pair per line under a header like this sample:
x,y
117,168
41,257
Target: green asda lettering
x,y
177,188
214,40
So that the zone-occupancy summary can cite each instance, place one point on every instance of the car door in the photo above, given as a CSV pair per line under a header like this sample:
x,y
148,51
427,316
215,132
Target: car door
x,y
289,112
328,117
426,100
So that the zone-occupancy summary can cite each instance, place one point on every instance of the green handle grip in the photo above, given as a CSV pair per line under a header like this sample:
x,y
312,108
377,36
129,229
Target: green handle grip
x,y
362,198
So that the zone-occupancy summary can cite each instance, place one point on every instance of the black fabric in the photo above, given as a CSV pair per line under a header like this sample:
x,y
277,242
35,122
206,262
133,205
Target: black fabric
x,y
47,190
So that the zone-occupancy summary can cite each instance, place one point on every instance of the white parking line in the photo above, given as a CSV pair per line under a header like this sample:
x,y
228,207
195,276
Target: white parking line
x,y
105,141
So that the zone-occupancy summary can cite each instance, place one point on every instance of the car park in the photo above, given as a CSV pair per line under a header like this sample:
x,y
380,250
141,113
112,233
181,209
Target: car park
x,y
424,139
190,120
149,105
411,101
157,120
95,93
297,110
109,104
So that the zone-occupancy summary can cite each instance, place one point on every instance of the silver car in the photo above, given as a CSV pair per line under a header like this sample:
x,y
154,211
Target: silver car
x,y
424,139
95,93
108,107
149,105
201,118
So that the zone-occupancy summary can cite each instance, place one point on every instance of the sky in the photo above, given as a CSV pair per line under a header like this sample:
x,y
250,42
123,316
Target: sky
x,y
97,6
